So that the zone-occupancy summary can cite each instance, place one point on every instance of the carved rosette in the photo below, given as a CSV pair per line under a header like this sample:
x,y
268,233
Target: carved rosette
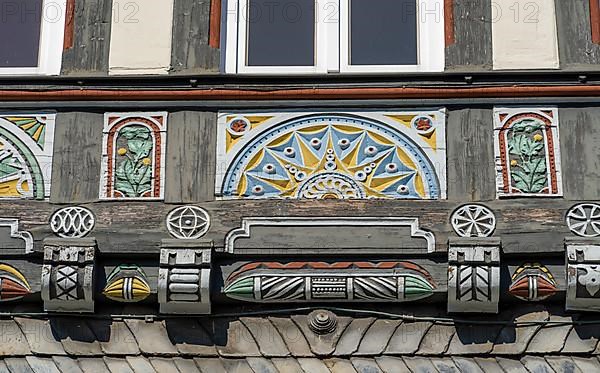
x,y
473,277
184,277
68,275
318,281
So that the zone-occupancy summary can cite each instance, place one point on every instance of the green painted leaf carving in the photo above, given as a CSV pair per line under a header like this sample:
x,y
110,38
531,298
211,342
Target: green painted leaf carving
x,y
133,175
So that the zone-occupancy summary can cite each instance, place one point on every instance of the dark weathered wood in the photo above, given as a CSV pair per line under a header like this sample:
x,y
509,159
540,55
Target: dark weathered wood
x,y
191,52
77,157
89,54
580,152
191,157
472,49
524,225
577,51
470,155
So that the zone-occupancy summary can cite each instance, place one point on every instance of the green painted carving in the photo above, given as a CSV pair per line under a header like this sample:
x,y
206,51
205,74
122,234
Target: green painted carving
x,y
528,169
133,171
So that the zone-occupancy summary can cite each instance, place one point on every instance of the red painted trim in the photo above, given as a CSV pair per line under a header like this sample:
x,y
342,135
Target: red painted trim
x,y
301,93
214,31
595,20
69,39
449,22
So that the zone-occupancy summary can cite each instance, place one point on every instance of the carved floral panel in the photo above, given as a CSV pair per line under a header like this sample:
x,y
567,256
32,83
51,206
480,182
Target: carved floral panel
x,y
358,155
527,152
26,145
133,155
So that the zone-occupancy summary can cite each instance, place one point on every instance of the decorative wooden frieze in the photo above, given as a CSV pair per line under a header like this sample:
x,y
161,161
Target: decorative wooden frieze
x,y
13,285
68,275
26,145
133,155
473,221
532,282
184,277
584,219
319,282
127,283
72,222
23,239
188,222
294,235
310,155
474,275
527,152
583,275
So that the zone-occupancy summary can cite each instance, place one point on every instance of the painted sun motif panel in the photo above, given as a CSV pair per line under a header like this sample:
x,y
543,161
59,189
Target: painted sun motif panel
x,y
527,152
354,155
26,146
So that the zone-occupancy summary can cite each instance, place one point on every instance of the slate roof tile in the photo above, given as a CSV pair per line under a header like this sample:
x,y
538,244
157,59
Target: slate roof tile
x,y
151,337
445,365
511,365
364,365
473,339
376,339
42,365
236,340
117,365
337,365
562,364
287,365
489,365
313,365
76,336
536,364
189,337
586,365
67,364
93,364
18,365
184,366
420,365
164,365
40,336
262,365
514,340
392,364
210,365
140,364
292,335
350,339
3,367
580,340
269,340
550,338
236,365
437,339
114,337
12,340
407,337
467,365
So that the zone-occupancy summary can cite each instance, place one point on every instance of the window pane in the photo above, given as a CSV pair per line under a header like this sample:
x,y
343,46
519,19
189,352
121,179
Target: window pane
x,y
281,33
383,32
20,25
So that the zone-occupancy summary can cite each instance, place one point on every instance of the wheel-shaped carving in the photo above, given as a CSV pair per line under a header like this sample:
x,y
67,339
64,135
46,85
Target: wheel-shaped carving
x,y
473,221
584,219
188,222
72,222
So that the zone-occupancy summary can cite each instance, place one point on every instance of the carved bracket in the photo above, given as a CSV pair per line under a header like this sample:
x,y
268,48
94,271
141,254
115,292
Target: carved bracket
x,y
583,276
473,276
15,233
68,275
184,277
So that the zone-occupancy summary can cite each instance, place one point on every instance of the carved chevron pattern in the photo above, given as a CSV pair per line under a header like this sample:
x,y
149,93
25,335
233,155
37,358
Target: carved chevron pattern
x,y
474,283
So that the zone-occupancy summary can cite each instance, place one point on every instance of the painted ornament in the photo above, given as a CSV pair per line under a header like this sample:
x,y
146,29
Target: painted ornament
x,y
13,285
127,283
532,282
319,281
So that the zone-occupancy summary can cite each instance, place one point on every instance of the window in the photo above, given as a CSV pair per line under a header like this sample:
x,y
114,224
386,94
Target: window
x,y
36,29
334,36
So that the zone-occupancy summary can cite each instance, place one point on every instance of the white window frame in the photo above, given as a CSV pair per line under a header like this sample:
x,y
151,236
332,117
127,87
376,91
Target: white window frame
x,y
332,42
52,32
